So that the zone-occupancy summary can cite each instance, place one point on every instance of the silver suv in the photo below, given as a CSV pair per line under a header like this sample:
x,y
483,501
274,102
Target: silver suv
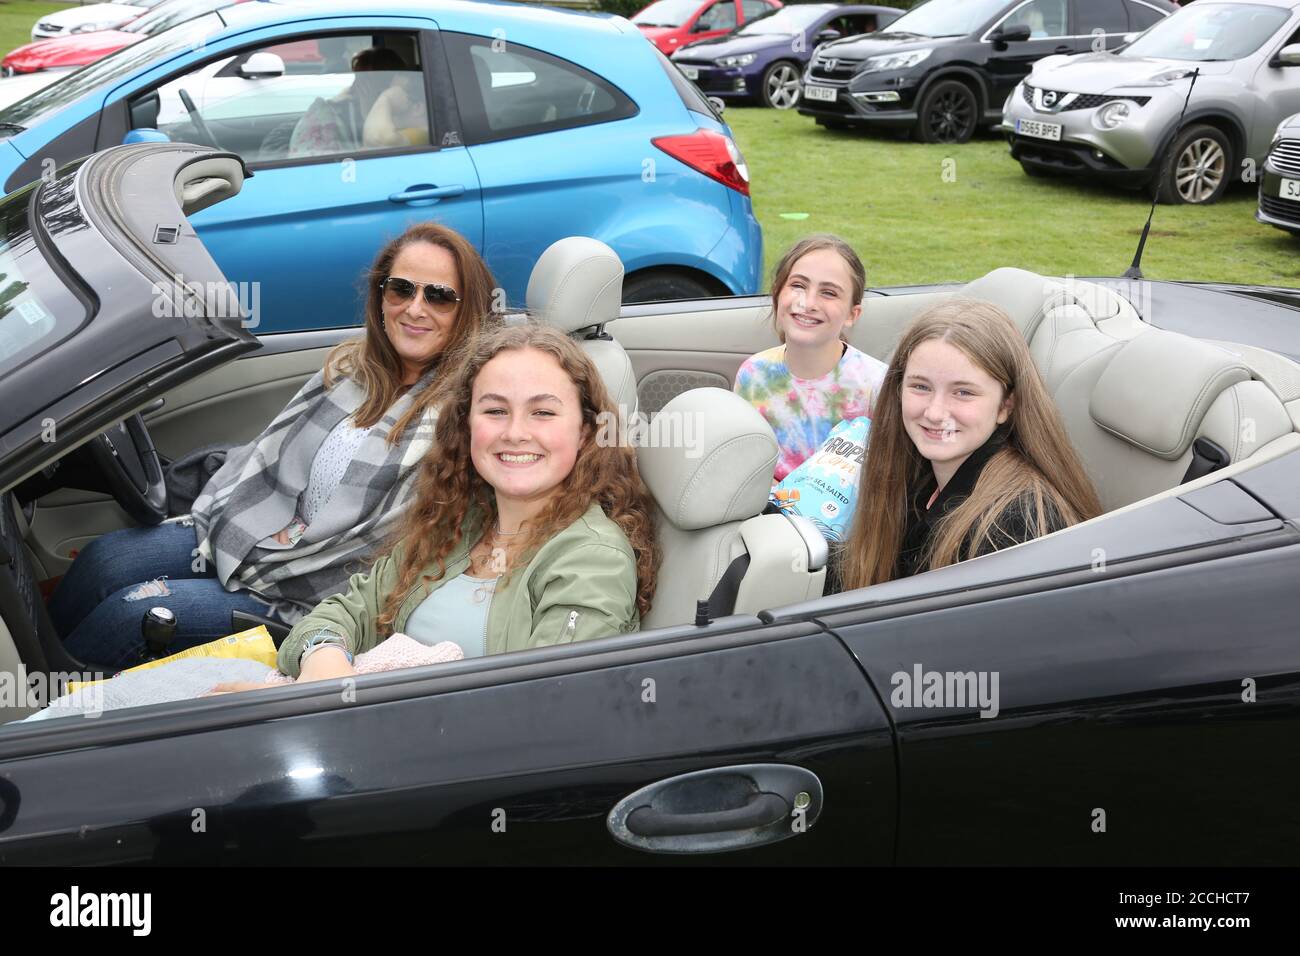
x,y
1114,115
1279,187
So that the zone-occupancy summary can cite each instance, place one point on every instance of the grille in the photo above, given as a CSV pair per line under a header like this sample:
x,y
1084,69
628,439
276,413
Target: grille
x,y
48,27
833,70
1281,208
1285,157
1084,101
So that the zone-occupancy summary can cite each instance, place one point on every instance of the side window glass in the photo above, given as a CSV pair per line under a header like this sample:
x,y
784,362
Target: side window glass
x,y
754,8
1140,16
720,16
507,90
1108,16
315,96
1045,19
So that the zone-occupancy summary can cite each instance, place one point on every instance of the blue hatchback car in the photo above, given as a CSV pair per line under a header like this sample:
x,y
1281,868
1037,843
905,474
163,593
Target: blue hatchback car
x,y
764,59
512,124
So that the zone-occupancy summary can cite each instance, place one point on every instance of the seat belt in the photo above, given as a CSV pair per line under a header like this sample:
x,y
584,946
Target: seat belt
x,y
1207,457
723,599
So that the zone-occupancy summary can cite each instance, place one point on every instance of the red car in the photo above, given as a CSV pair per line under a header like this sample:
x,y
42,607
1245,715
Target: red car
x,y
78,49
669,24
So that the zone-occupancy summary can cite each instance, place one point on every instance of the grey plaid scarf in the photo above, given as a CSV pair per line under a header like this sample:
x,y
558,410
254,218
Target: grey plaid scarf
x,y
255,495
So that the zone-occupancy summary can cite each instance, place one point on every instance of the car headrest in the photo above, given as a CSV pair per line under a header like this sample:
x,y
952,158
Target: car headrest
x,y
1156,390
717,462
1022,295
577,283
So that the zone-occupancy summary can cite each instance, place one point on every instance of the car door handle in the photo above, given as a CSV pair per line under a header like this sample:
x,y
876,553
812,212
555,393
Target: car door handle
x,y
1063,49
711,811
426,192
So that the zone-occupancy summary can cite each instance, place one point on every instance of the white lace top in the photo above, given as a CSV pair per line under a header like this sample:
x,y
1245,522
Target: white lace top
x,y
331,462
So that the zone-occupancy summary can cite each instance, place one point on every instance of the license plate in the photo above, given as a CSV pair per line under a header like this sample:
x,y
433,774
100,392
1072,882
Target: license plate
x,y
1038,130
1290,189
822,93
690,72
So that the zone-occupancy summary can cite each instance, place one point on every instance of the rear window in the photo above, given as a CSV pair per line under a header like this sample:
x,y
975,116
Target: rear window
x,y
690,94
36,309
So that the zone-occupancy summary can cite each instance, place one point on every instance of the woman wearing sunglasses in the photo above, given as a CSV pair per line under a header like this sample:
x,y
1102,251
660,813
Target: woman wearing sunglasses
x,y
289,516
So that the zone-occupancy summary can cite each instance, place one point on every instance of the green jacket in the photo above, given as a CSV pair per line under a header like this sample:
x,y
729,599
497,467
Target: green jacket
x,y
579,585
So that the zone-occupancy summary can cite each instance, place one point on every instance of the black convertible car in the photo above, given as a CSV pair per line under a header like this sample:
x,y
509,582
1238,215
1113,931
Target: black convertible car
x,y
1125,691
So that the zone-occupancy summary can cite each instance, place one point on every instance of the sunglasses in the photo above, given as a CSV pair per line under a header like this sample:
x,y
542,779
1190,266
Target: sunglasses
x,y
398,291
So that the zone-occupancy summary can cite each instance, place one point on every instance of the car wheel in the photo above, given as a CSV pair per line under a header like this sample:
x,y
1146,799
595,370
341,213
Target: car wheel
x,y
663,285
780,89
947,114
1196,169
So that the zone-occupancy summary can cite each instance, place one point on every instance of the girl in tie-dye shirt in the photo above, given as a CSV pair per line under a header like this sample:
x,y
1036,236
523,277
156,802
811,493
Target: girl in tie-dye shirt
x,y
815,379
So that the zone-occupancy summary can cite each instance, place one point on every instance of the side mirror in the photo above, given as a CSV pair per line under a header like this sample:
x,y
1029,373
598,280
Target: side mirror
x,y
717,103
261,65
1017,34
145,136
1289,55
1130,37
827,35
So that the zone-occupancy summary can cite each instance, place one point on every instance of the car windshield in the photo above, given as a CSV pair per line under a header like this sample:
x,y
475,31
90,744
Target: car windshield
x,y
36,309
666,13
788,21
946,18
174,12
117,66
1209,31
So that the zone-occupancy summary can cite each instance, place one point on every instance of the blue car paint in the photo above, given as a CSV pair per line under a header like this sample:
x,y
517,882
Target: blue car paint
x,y
305,233
720,81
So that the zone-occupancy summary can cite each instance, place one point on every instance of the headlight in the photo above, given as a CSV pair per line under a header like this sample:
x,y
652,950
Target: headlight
x,y
727,62
1112,114
894,61
1167,77
1289,122
90,27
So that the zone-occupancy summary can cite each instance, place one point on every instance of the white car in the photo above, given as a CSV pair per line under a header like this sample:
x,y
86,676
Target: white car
x,y
21,85
87,19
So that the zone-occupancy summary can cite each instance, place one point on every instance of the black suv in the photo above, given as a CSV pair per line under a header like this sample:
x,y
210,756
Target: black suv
x,y
947,66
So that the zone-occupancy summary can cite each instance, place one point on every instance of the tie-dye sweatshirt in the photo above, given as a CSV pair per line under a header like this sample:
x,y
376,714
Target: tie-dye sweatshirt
x,y
802,411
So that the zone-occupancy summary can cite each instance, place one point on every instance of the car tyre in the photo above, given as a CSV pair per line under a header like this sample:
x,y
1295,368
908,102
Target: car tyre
x,y
780,87
662,285
948,114
1196,168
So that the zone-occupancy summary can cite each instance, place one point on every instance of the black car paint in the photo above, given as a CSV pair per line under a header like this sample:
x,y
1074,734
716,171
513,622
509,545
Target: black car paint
x,y
991,69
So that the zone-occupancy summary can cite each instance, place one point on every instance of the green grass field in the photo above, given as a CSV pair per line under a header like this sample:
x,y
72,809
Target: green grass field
x,y
920,213
17,17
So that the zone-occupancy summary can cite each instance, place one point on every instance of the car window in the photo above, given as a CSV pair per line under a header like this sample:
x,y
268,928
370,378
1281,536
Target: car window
x,y
36,310
666,13
1045,19
853,25
720,16
506,90
754,8
312,96
1108,16
1141,16
1210,31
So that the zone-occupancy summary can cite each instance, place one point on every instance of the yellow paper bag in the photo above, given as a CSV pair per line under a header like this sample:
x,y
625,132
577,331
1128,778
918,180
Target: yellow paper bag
x,y
254,644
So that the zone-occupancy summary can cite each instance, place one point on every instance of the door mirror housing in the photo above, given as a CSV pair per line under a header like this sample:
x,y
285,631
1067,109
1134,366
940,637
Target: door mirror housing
x,y
1289,55
827,35
1004,35
261,65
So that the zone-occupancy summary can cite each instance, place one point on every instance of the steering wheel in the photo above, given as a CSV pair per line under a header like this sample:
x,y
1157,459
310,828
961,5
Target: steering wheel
x,y
200,126
129,463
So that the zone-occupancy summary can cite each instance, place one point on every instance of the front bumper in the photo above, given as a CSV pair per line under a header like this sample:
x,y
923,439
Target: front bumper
x,y
731,82
1273,210
1126,153
884,100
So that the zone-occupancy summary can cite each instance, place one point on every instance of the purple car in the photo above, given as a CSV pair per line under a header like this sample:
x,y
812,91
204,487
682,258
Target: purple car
x,y
764,59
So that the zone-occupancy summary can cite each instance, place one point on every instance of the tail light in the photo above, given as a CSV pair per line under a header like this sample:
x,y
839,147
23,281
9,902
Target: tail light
x,y
712,154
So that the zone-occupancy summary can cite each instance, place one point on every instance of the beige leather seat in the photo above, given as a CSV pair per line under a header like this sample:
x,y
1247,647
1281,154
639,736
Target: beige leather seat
x,y
711,489
577,286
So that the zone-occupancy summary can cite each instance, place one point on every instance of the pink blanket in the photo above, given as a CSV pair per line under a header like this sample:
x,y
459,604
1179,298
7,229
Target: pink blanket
x,y
393,654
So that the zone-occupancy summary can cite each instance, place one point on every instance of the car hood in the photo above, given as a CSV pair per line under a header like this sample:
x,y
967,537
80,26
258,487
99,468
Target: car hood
x,y
875,44
1098,72
734,46
109,326
70,51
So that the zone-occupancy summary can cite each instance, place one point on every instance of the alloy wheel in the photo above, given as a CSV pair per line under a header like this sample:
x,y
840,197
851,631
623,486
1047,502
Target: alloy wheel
x,y
1200,170
951,117
783,86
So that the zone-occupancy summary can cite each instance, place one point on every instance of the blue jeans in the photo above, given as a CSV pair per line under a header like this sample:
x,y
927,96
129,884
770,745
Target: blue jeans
x,y
98,606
